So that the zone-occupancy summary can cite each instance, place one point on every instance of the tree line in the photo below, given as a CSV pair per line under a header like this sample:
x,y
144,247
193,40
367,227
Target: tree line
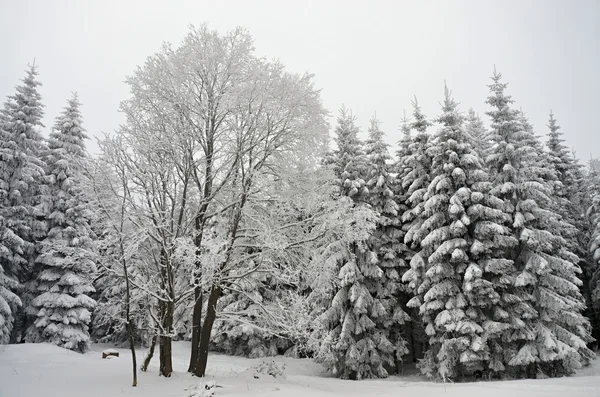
x,y
219,213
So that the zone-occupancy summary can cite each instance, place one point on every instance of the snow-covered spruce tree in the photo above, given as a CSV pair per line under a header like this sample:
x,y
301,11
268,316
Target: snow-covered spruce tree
x,y
402,153
548,332
455,301
593,216
572,202
568,189
387,243
417,166
8,302
356,347
348,160
566,204
67,255
21,188
475,129
592,230
413,180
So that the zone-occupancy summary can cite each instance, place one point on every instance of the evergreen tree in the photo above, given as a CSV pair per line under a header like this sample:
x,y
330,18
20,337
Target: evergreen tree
x,y
402,154
568,171
548,332
357,348
348,159
8,302
567,189
387,241
21,177
415,182
475,129
592,233
455,300
67,255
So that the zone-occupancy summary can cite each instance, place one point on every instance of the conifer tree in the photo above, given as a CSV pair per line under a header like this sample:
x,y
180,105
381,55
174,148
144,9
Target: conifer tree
x,y
417,178
67,255
591,233
387,241
348,159
357,347
455,300
21,180
548,332
401,155
475,129
567,189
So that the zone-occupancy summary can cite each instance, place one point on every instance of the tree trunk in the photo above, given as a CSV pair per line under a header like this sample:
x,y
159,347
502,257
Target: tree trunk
x,y
132,348
165,339
166,310
209,320
196,327
128,314
166,362
150,354
199,223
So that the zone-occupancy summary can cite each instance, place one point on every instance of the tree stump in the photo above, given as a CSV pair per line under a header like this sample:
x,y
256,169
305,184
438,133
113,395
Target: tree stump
x,y
109,353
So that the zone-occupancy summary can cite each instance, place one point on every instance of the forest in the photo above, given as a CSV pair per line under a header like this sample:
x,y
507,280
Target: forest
x,y
228,212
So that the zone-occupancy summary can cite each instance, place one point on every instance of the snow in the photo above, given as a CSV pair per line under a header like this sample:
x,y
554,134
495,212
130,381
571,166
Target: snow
x,y
44,370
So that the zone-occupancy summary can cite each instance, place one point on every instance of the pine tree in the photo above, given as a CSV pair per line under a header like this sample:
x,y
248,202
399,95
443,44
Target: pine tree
x,y
67,255
417,178
592,234
548,332
564,162
8,302
475,129
387,242
567,189
348,159
456,301
21,179
357,348
403,153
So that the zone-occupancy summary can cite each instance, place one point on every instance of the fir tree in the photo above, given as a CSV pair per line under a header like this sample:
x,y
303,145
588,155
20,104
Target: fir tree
x,y
67,254
348,159
417,178
21,180
456,301
565,164
402,154
8,302
357,347
387,241
592,233
548,332
567,187
476,131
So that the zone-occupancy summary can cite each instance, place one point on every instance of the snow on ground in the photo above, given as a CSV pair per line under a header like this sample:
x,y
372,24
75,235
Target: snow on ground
x,y
43,370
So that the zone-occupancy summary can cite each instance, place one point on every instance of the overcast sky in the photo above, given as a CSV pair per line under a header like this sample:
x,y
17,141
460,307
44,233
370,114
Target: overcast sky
x,y
369,55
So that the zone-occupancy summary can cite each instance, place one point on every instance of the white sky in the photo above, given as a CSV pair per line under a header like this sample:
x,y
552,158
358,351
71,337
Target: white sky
x,y
369,55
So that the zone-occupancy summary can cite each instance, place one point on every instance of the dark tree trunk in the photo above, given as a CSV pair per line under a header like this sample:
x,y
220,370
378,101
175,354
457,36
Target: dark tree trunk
x,y
209,320
150,354
166,311
199,222
165,341
130,331
166,362
196,327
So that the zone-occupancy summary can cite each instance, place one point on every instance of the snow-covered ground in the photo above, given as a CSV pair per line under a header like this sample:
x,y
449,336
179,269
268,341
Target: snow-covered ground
x,y
43,370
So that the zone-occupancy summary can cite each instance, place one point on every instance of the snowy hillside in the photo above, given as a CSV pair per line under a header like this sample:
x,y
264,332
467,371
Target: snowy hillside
x,y
43,370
